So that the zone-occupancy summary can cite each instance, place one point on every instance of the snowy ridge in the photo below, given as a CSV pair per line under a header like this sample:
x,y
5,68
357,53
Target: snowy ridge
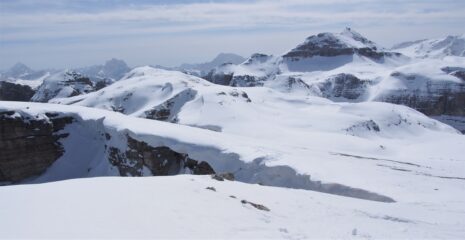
x,y
434,48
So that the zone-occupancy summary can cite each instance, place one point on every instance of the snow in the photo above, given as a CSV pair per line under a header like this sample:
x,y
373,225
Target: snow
x,y
333,168
274,137
182,207
434,48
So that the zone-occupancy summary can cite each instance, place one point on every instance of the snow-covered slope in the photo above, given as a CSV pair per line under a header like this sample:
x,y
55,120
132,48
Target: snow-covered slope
x,y
65,83
433,48
347,67
49,84
410,166
182,207
264,114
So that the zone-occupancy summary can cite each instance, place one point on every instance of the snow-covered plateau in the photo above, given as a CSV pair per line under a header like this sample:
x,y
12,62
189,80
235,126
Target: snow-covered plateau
x,y
336,138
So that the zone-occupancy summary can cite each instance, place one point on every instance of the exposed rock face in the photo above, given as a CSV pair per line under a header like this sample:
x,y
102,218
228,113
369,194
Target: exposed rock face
x,y
219,77
29,146
236,94
331,45
434,98
257,58
441,103
15,92
365,126
161,161
230,79
168,110
344,86
247,81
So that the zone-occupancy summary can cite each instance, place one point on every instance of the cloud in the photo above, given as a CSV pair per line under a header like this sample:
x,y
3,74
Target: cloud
x,y
155,19
48,23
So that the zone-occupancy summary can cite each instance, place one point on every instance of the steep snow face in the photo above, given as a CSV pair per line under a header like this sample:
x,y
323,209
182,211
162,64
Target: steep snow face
x,y
202,69
434,48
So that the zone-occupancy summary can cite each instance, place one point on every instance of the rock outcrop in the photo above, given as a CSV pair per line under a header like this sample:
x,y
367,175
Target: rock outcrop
x,y
15,92
168,110
331,45
431,98
29,146
160,161
346,86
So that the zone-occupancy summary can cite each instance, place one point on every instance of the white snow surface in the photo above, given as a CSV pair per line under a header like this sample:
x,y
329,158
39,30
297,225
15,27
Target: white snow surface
x,y
182,207
264,135
279,139
433,48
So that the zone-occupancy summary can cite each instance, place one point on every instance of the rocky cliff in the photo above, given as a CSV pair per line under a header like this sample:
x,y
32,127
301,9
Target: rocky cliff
x,y
29,146
15,92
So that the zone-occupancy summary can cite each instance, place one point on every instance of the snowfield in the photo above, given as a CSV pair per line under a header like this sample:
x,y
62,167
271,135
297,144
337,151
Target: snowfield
x,y
389,170
182,207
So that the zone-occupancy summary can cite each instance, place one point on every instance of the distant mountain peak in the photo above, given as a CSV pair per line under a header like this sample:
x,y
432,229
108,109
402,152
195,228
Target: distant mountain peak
x,y
347,42
228,58
452,45
20,67
113,68
220,59
19,70
115,61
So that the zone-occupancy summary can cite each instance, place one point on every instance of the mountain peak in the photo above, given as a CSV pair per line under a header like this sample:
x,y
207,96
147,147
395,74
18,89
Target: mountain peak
x,y
18,70
115,61
19,66
327,44
228,58
452,45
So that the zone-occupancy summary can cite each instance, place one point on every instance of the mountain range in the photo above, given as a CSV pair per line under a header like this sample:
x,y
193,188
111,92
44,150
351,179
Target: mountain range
x,y
337,131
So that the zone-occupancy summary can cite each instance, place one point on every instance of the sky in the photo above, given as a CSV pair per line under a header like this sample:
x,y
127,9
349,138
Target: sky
x,y
76,33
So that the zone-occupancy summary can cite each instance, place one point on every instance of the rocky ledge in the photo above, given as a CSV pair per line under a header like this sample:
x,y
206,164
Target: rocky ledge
x,y
29,146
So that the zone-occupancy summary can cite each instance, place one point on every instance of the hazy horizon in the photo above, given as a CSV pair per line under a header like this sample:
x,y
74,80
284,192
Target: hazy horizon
x,y
61,34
